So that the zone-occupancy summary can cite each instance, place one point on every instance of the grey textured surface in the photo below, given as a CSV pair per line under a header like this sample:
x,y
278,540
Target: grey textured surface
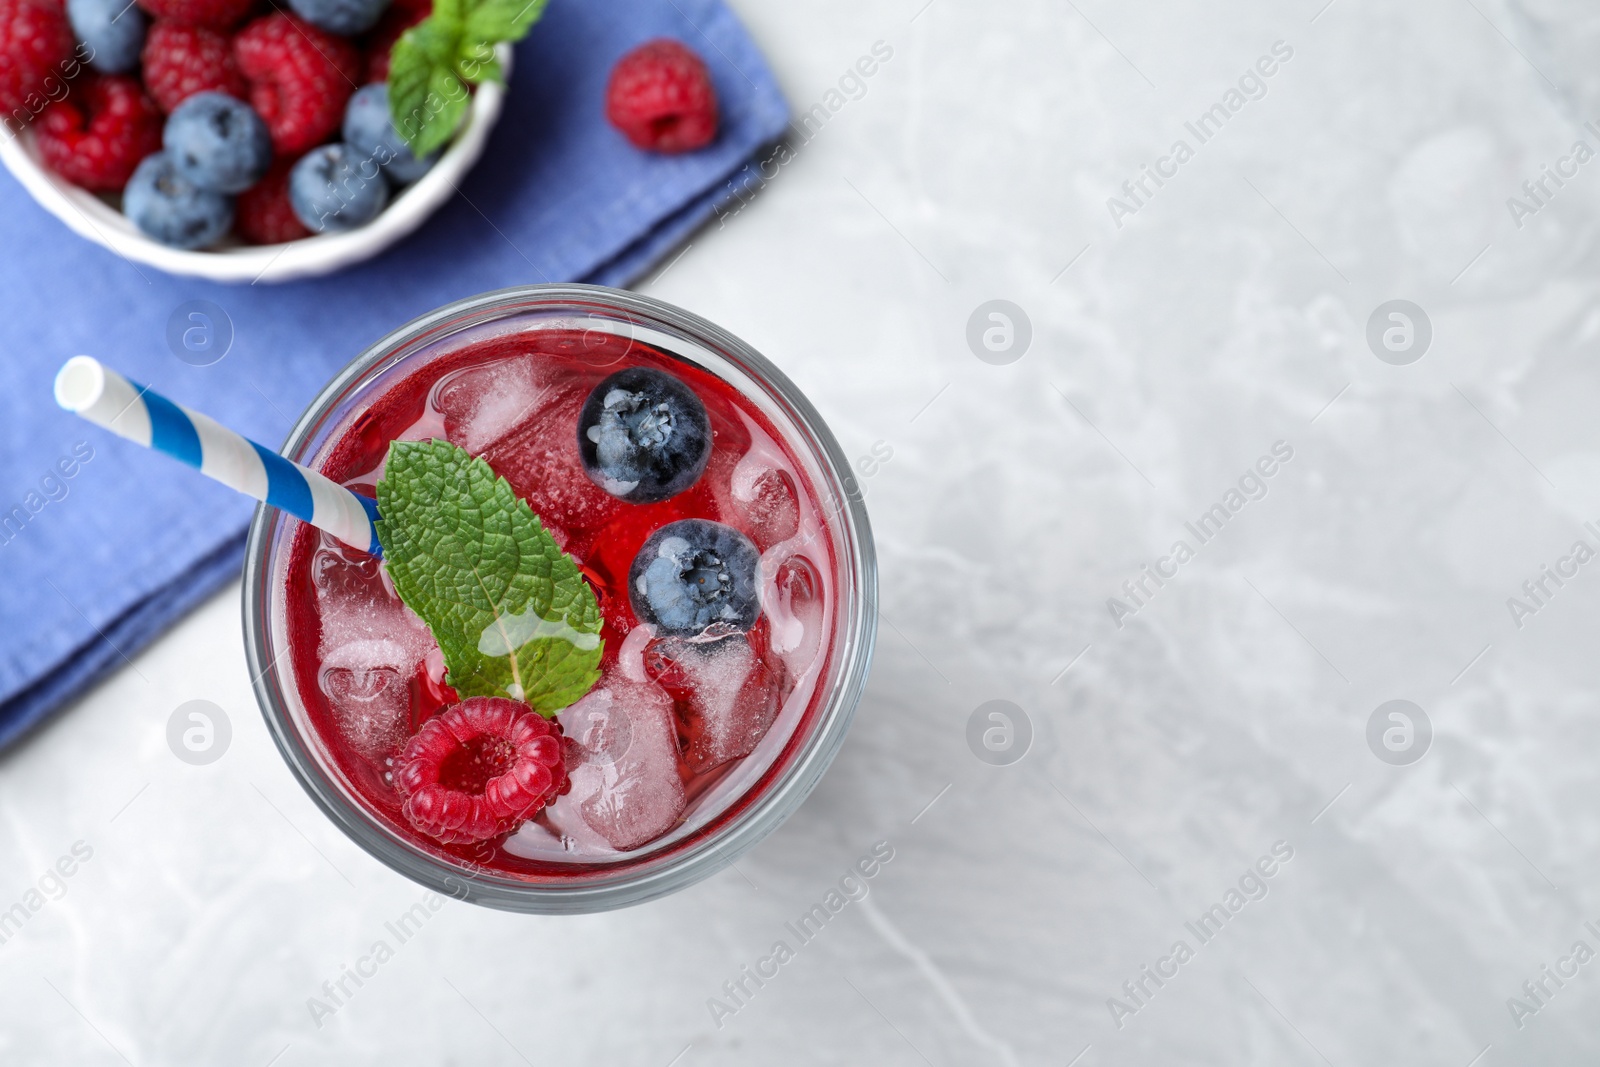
x,y
1227,714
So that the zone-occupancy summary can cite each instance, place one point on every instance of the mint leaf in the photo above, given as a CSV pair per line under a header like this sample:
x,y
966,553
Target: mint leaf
x,y
511,612
450,12
478,64
410,67
438,38
426,98
450,97
434,61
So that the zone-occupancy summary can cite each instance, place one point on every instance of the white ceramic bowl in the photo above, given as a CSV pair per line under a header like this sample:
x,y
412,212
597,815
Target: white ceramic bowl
x,y
92,218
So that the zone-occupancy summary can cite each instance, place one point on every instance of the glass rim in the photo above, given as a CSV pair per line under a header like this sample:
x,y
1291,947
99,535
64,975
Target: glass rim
x,y
855,632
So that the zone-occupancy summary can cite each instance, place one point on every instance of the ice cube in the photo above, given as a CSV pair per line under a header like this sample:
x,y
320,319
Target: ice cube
x,y
366,683
370,648
600,730
730,697
625,776
540,461
764,494
483,404
355,602
772,514
794,608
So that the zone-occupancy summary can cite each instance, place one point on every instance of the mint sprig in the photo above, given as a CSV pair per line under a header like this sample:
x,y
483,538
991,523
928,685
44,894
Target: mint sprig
x,y
433,63
511,612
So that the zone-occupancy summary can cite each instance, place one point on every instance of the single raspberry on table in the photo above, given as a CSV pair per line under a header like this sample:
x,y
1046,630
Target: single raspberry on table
x,y
300,78
181,60
212,14
380,45
36,44
479,769
661,98
264,215
99,134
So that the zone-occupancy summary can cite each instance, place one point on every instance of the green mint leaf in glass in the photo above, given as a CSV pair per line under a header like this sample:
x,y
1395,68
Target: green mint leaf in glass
x,y
511,612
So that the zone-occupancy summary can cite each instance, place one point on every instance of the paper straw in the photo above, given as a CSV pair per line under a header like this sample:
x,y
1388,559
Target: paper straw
x,y
147,418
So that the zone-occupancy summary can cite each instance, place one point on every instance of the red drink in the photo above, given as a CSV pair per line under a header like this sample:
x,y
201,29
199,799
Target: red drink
x,y
682,731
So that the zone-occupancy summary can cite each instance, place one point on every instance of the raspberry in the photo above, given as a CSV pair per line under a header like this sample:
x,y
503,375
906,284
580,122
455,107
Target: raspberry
x,y
300,78
98,135
661,98
479,769
181,60
212,14
396,21
35,48
264,215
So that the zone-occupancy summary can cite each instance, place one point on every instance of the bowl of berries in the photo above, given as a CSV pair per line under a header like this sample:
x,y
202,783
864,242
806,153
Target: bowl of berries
x,y
241,141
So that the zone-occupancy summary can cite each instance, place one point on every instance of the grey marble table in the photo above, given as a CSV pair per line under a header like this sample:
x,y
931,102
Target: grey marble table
x,y
1222,843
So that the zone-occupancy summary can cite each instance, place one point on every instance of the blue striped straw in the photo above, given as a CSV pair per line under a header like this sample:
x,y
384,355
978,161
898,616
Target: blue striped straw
x,y
130,410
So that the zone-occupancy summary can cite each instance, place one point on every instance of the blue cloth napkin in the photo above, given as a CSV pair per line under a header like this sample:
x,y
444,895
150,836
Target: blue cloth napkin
x,y
113,542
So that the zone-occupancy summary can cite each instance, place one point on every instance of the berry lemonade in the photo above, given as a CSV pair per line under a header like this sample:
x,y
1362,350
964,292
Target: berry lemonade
x,y
687,544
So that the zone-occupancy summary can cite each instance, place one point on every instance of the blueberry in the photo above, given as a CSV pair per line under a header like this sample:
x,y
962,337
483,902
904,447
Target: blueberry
x,y
218,143
332,188
173,210
113,31
370,131
643,435
693,574
344,17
